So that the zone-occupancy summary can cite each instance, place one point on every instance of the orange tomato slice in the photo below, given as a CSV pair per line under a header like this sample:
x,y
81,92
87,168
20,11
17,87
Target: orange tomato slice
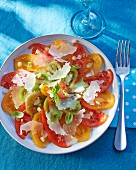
x,y
82,133
103,101
37,133
7,103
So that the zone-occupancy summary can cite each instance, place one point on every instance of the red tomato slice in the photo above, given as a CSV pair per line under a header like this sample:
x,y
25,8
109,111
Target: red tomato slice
x,y
63,89
97,118
20,121
68,58
105,76
82,64
37,46
6,80
58,140
80,50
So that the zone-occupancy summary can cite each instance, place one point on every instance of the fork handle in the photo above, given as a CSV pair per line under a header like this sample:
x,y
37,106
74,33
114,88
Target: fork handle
x,y
120,142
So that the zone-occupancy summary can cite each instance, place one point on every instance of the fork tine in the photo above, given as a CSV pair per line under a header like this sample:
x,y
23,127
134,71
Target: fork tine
x,y
128,55
120,53
124,43
117,53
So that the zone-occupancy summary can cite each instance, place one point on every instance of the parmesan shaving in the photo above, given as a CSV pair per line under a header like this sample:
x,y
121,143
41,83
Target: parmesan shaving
x,y
29,126
70,140
55,126
71,128
61,73
91,92
16,100
25,78
65,49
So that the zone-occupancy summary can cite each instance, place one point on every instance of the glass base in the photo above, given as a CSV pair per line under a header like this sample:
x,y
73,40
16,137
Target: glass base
x,y
88,29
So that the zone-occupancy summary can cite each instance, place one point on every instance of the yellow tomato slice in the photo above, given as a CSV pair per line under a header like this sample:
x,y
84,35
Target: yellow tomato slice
x,y
7,103
59,43
82,133
37,134
94,63
44,90
25,62
104,101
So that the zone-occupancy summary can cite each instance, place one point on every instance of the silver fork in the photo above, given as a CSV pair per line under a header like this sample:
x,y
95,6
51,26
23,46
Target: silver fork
x,y
122,70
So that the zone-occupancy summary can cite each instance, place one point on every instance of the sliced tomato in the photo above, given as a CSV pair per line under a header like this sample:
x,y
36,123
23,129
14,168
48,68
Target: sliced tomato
x,y
6,80
80,50
37,46
7,103
82,133
38,132
45,89
20,121
26,62
57,139
97,118
62,93
82,64
105,76
94,64
103,101
68,58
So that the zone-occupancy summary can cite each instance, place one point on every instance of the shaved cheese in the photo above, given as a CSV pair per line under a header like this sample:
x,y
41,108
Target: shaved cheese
x,y
99,82
61,73
29,126
42,60
61,60
67,103
16,100
29,81
80,86
91,73
52,84
39,60
75,96
25,78
17,80
70,140
91,92
71,128
65,49
55,126
88,115
50,93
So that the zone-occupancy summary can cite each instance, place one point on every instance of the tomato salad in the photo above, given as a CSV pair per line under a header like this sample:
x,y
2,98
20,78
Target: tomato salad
x,y
57,93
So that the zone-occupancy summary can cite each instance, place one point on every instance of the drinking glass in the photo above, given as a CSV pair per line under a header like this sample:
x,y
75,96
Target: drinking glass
x,y
87,23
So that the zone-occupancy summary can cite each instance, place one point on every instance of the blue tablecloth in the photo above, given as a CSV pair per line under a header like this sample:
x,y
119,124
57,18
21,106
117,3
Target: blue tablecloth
x,y
22,20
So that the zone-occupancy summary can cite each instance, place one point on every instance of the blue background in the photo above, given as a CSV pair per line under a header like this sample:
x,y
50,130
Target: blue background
x,y
21,20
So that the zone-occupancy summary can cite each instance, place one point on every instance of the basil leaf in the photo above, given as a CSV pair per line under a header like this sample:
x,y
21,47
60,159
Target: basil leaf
x,y
55,90
69,118
18,114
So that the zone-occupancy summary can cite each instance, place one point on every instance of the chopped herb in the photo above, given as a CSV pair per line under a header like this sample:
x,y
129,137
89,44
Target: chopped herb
x,y
69,118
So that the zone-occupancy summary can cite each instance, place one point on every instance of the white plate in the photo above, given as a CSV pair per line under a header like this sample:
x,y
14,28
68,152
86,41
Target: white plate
x,y
7,120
